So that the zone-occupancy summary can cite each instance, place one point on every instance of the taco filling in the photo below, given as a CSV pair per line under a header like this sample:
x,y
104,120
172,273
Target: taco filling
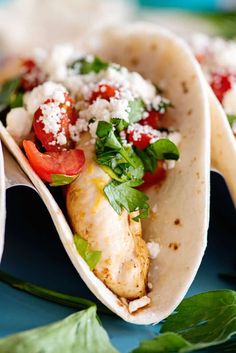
x,y
217,59
99,129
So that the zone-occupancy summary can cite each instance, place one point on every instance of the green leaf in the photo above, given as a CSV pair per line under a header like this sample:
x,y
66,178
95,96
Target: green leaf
x,y
106,134
84,66
51,295
213,319
166,343
123,195
8,92
61,179
136,110
16,100
78,333
203,323
89,256
163,149
149,161
231,119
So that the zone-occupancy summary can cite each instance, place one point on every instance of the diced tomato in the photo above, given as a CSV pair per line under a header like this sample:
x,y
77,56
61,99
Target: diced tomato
x,y
32,76
152,120
142,142
46,164
155,178
220,85
103,91
68,116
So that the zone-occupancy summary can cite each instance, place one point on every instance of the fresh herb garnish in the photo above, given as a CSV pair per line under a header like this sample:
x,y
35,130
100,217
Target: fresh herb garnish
x,y
120,162
79,332
51,295
9,94
136,110
162,149
231,119
60,179
202,321
89,256
124,195
85,65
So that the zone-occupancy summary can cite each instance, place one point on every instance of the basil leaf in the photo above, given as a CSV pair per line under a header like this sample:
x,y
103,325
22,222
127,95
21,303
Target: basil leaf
x,y
125,196
163,149
84,66
79,332
231,119
8,89
89,256
61,179
203,321
136,110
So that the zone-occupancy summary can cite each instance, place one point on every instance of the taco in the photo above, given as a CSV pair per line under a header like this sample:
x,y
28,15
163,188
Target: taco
x,y
217,59
111,125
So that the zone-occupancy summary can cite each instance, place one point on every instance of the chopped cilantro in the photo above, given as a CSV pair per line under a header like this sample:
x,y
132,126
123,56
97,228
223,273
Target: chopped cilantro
x,y
61,179
231,119
8,93
163,149
89,256
163,105
84,66
136,110
123,195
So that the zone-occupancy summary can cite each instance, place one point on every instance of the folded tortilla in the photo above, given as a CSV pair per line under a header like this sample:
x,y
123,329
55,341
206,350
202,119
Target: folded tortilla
x,y
182,202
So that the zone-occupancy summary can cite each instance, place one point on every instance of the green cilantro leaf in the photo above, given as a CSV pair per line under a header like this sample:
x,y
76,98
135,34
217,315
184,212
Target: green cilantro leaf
x,y
89,256
61,179
202,321
16,100
231,119
120,162
123,195
163,105
8,91
79,332
84,66
163,149
136,110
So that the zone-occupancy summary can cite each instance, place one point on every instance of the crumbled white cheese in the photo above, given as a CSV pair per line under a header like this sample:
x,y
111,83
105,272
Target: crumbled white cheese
x,y
75,130
153,249
48,90
136,304
229,101
51,118
138,130
170,164
19,123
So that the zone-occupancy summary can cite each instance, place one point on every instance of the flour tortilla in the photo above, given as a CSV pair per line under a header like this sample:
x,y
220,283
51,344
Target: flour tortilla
x,y
180,225
223,145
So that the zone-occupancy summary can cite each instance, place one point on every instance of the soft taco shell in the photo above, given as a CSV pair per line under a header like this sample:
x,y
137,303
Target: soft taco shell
x,y
180,225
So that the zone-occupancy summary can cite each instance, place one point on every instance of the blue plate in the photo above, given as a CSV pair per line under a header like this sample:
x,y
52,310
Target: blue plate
x,y
33,252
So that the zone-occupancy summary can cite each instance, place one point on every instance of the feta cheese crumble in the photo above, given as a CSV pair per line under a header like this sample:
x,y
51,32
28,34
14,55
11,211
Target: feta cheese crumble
x,y
48,90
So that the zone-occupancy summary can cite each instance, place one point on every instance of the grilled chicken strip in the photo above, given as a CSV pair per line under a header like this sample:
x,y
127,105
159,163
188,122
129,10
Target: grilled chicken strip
x,y
124,264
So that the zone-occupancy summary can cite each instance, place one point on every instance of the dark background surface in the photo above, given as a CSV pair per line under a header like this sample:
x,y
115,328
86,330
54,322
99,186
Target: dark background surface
x,y
33,252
